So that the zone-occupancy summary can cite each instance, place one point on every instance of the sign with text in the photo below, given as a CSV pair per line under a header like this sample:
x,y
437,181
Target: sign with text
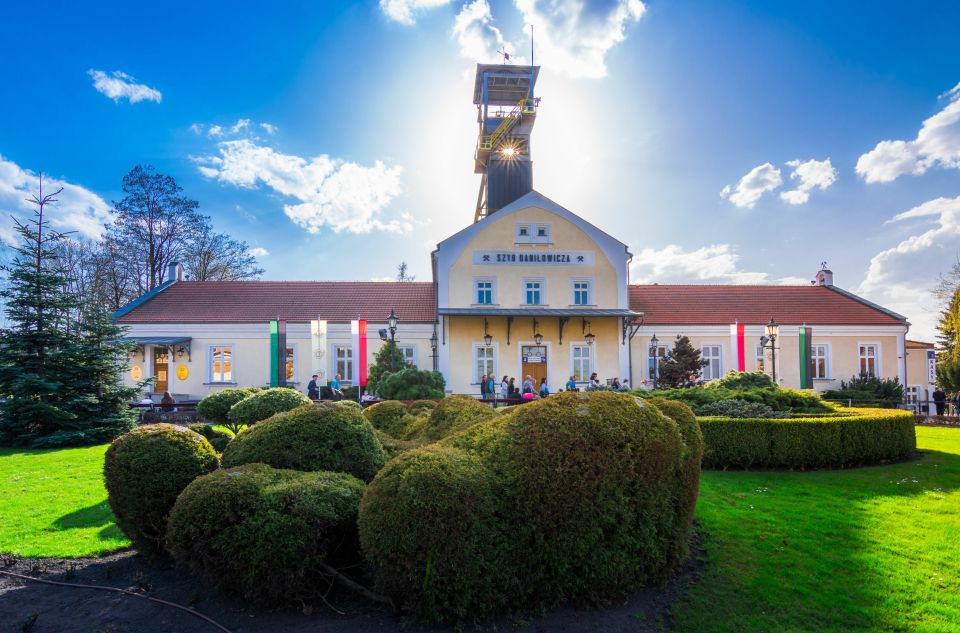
x,y
534,258
931,366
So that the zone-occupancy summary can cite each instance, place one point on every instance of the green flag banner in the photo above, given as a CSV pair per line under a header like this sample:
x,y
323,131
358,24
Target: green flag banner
x,y
806,376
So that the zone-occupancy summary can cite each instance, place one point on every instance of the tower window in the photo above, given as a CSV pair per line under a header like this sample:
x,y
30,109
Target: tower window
x,y
523,231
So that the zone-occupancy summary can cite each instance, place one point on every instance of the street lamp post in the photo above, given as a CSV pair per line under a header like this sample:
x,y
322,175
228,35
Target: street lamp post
x,y
392,326
769,341
654,351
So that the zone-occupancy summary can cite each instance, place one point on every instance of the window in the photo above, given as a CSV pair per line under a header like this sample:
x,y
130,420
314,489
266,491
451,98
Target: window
x,y
912,394
409,355
711,354
659,353
291,364
581,293
484,292
819,363
581,362
483,356
221,363
343,359
868,360
533,293
523,231
533,233
761,356
542,231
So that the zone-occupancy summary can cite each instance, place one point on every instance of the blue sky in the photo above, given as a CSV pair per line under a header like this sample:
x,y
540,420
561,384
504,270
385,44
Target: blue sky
x,y
358,149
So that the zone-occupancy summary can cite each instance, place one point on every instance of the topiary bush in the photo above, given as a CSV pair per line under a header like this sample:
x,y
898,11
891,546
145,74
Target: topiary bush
x,y
421,407
264,534
868,391
579,496
144,470
743,380
736,408
451,415
311,438
850,438
215,407
778,399
263,404
411,384
218,439
387,416
349,404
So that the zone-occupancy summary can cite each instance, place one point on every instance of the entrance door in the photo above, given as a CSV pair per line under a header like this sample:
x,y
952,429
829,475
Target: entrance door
x,y
534,363
161,360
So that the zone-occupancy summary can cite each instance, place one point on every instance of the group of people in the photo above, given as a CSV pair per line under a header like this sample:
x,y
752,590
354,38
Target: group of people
x,y
313,388
530,389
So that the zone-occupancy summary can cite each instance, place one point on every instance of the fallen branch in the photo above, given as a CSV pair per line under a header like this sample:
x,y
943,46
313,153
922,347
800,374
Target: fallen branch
x,y
357,587
117,590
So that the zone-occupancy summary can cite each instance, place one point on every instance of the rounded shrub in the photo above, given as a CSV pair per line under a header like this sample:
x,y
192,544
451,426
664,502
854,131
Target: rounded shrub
x,y
387,416
263,404
573,497
311,438
217,438
737,408
421,407
411,384
144,470
265,534
848,437
349,404
451,415
215,407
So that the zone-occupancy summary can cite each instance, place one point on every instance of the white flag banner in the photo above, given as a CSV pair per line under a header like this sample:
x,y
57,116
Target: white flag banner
x,y
318,349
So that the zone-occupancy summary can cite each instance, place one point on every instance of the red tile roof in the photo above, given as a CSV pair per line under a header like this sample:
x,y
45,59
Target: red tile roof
x,y
260,301
668,304
919,345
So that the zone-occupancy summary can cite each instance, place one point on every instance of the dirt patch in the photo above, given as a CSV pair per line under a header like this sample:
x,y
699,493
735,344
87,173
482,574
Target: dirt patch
x,y
32,607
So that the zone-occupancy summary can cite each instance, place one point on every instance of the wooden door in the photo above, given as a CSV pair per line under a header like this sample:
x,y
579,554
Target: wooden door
x,y
161,364
534,364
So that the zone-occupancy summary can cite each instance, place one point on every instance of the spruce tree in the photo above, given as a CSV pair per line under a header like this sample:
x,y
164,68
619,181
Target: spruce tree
x,y
682,365
35,345
949,328
387,357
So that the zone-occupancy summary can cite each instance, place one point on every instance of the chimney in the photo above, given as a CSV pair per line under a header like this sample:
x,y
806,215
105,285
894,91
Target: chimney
x,y
175,272
825,277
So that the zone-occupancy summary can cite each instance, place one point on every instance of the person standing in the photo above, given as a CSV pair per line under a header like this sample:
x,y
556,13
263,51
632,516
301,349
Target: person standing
x,y
483,386
504,388
313,389
492,386
939,400
511,388
544,389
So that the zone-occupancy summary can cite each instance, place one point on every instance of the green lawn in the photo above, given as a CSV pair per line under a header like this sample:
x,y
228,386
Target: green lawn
x,y
870,549
53,503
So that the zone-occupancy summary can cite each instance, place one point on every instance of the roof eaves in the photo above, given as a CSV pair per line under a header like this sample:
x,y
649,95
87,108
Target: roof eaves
x,y
150,294
867,303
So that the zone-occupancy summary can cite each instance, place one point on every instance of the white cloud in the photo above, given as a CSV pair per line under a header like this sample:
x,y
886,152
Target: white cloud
x,y
259,251
78,209
404,11
937,144
119,85
479,39
269,128
901,278
811,174
716,263
196,128
240,125
573,36
750,188
332,193
215,131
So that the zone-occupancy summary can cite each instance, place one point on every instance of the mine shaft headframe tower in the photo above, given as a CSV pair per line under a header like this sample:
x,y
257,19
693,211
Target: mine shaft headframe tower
x,y
506,112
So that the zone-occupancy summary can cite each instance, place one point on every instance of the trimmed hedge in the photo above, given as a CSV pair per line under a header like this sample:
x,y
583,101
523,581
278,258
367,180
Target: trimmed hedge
x,y
451,415
144,470
778,399
268,402
262,533
311,438
215,407
217,438
387,416
579,496
851,437
421,407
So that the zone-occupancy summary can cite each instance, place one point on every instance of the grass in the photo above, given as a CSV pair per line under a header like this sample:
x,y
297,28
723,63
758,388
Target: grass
x,y
54,504
869,549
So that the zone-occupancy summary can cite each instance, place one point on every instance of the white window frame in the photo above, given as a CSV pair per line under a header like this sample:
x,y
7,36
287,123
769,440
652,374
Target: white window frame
x,y
475,379
828,371
296,372
233,364
660,346
347,381
573,291
409,347
493,290
591,361
718,358
877,363
543,290
532,235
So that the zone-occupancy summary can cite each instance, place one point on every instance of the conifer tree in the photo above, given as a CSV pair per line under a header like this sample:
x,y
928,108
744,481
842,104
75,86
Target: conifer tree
x,y
33,348
682,365
387,357
949,328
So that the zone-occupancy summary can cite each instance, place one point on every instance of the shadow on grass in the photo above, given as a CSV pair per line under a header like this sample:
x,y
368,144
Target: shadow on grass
x,y
92,516
824,550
